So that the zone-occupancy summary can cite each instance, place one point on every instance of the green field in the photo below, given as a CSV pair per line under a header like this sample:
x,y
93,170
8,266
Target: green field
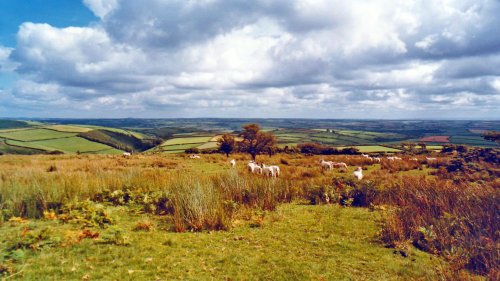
x,y
374,148
68,128
208,145
297,242
338,137
35,134
181,147
66,145
189,140
471,140
11,124
118,130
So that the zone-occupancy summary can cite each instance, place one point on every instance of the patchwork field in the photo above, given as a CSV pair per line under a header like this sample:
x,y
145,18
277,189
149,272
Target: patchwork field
x,y
178,145
203,134
66,145
374,148
35,134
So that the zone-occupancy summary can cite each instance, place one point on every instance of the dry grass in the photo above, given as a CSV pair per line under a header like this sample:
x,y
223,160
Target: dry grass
x,y
435,213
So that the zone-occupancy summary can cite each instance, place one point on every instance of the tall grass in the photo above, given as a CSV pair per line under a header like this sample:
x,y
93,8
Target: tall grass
x,y
459,222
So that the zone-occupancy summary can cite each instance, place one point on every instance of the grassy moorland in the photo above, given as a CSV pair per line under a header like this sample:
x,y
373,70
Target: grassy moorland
x,y
170,217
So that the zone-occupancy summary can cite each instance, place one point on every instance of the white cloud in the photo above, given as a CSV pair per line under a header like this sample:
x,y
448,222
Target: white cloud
x,y
277,58
101,7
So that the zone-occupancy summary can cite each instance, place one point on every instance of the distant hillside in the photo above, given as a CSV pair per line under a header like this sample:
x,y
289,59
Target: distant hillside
x,y
126,142
11,124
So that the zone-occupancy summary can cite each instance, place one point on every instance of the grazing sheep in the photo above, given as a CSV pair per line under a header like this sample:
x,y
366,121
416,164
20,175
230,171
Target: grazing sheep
x,y
232,163
326,165
358,173
339,165
268,171
391,158
192,156
365,155
258,170
397,158
276,170
251,166
376,159
126,154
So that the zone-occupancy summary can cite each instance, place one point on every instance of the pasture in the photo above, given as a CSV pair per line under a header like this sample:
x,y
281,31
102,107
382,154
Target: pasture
x,y
67,145
35,135
374,148
167,217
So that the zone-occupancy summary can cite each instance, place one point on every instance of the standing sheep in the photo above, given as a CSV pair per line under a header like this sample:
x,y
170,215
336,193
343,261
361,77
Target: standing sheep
x,y
358,173
326,165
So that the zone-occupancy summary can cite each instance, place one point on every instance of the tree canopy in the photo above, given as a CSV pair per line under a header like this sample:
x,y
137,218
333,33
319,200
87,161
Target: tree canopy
x,y
256,141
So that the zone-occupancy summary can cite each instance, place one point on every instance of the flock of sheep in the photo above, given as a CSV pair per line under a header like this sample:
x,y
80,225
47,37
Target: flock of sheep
x,y
274,170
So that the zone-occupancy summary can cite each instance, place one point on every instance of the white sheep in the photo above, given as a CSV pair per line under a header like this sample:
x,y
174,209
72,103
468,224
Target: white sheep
x,y
326,165
258,170
126,154
192,156
339,165
276,170
376,159
232,163
268,171
365,155
397,158
358,173
390,158
251,166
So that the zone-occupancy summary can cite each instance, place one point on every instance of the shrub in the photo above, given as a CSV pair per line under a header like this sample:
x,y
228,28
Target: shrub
x,y
86,213
455,221
51,168
114,236
193,150
144,225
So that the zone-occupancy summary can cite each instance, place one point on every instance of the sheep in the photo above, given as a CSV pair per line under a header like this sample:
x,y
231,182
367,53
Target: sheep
x,y
339,165
192,156
126,154
232,163
268,171
258,170
413,159
326,165
376,159
272,170
365,155
391,158
276,170
358,173
397,158
251,166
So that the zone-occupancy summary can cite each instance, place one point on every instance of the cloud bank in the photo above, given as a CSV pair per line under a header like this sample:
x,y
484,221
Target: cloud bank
x,y
293,58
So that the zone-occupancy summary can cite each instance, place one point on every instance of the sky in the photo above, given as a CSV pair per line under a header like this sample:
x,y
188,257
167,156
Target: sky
x,y
387,59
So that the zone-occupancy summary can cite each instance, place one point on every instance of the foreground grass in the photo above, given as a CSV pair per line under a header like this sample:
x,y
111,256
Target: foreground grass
x,y
297,242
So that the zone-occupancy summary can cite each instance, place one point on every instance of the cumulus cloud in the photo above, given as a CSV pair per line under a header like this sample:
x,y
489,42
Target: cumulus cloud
x,y
293,58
